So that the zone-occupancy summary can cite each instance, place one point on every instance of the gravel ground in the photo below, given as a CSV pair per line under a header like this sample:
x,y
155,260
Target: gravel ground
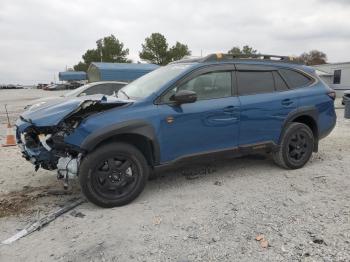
x,y
214,212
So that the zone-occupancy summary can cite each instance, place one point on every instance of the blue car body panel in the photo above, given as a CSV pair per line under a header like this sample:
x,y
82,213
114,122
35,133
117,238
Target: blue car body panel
x,y
263,115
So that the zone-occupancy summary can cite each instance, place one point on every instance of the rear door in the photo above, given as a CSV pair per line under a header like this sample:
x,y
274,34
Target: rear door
x,y
265,101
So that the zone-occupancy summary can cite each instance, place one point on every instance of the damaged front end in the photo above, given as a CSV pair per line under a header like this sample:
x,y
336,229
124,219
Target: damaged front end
x,y
41,133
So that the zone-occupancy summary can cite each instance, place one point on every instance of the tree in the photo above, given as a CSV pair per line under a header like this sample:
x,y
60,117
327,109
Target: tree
x,y
108,49
314,57
80,67
112,50
235,51
155,50
178,51
246,50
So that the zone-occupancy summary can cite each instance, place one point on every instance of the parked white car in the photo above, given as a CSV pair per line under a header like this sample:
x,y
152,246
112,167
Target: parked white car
x,y
103,87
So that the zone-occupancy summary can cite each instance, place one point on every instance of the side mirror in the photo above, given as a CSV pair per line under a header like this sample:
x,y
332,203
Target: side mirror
x,y
184,97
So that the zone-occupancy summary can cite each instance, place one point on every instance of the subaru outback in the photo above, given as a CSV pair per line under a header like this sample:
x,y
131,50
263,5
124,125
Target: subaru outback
x,y
219,105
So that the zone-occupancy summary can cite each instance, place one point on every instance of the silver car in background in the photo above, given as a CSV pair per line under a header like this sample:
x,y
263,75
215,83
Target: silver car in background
x,y
104,87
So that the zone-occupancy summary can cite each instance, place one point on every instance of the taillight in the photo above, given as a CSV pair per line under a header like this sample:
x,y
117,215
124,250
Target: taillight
x,y
332,94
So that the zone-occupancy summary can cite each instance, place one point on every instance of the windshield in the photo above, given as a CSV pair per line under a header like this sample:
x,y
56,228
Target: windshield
x,y
151,82
77,91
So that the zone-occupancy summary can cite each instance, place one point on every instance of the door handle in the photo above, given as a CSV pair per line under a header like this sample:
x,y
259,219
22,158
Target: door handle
x,y
229,109
287,102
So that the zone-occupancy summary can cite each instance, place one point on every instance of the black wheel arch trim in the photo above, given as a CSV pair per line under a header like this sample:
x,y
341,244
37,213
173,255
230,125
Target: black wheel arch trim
x,y
310,111
133,127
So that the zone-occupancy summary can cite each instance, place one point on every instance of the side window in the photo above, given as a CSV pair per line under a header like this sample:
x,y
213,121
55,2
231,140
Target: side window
x,y
280,84
255,82
295,79
116,87
336,76
207,86
105,89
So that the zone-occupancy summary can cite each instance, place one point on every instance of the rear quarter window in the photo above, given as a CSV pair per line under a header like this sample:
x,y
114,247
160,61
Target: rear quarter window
x,y
295,79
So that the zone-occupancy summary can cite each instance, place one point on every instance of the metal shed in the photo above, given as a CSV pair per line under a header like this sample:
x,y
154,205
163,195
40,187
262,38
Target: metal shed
x,y
72,76
336,75
125,72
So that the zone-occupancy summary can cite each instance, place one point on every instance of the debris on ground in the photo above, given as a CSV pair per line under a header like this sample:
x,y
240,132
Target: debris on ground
x,y
157,220
195,172
75,213
218,183
262,240
44,221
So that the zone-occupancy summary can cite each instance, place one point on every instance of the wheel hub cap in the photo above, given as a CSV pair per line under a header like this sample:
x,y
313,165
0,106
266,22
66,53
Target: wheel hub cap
x,y
115,176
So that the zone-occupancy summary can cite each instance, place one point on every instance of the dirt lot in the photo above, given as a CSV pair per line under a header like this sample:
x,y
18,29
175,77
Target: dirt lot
x,y
212,212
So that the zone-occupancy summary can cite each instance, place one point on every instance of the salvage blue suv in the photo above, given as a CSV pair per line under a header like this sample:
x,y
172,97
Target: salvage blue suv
x,y
190,109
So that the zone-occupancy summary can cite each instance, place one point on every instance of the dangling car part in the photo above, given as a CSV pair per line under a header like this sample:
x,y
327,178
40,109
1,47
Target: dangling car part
x,y
41,132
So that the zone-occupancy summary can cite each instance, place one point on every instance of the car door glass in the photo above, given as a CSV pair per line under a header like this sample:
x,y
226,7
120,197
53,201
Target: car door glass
x,y
207,86
104,89
116,88
108,89
280,84
255,82
96,89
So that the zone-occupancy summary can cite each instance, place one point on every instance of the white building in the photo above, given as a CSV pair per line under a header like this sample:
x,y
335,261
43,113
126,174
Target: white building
x,y
336,75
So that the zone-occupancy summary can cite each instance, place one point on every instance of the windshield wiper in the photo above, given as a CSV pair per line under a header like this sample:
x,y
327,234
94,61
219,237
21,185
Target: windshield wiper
x,y
124,93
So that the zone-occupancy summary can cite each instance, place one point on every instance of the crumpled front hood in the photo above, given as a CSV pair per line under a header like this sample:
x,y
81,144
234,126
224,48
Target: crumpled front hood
x,y
34,104
51,113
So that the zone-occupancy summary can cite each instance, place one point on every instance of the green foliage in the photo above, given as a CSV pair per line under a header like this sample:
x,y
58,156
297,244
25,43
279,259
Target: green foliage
x,y
155,50
112,50
246,50
178,51
314,57
80,67
108,49
235,51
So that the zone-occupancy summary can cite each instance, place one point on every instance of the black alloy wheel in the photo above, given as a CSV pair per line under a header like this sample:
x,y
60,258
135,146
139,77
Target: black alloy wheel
x,y
114,174
296,146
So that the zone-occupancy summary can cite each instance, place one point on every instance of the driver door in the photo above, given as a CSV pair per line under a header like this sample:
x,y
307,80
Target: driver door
x,y
209,124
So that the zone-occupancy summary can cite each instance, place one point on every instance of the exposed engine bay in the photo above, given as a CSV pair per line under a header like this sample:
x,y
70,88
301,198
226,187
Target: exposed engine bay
x,y
45,146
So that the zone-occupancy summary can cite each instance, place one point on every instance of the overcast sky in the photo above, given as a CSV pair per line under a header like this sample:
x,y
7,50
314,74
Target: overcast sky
x,y
39,38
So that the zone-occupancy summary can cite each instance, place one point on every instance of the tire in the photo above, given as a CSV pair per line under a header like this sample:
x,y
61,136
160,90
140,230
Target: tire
x,y
113,174
296,147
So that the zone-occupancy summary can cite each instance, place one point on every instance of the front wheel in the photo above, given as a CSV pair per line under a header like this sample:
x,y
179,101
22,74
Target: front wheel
x,y
296,146
113,174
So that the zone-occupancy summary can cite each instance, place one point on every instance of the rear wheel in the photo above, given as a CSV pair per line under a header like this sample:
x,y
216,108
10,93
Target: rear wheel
x,y
296,146
113,174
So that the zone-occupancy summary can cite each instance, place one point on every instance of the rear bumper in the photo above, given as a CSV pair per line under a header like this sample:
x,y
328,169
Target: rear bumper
x,y
328,130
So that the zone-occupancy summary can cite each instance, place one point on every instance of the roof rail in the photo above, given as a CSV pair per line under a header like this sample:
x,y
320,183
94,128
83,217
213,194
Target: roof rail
x,y
227,57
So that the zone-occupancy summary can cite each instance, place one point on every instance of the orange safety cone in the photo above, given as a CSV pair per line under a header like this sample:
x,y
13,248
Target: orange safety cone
x,y
10,139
